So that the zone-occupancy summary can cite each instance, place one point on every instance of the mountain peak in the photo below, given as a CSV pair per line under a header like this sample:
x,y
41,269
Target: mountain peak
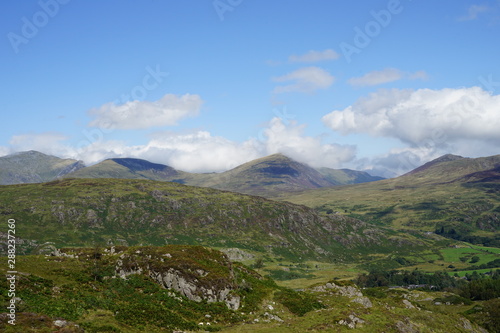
x,y
442,159
446,158
33,167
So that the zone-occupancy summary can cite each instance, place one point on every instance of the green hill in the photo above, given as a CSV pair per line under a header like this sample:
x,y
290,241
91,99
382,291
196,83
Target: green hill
x,y
178,288
34,167
85,212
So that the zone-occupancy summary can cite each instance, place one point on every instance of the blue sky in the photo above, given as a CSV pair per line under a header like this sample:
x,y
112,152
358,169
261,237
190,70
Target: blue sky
x,y
382,86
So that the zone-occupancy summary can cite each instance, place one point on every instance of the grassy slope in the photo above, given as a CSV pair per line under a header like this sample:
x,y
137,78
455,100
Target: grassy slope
x,y
82,291
436,194
85,212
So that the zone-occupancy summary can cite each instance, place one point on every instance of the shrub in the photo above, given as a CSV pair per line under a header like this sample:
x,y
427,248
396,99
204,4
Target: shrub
x,y
298,303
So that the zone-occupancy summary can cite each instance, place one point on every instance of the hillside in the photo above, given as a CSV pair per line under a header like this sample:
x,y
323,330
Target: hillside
x,y
178,288
86,212
34,167
448,168
459,197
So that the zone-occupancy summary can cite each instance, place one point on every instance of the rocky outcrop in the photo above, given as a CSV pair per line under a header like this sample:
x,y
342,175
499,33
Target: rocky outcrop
x,y
191,279
352,321
350,291
236,254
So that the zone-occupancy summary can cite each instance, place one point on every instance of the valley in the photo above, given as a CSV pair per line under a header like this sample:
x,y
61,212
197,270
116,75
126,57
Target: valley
x,y
148,238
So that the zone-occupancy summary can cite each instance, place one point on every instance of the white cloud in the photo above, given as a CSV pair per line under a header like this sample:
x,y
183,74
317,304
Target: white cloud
x,y
5,151
166,111
304,80
422,117
315,56
198,151
473,11
385,76
290,141
399,161
49,142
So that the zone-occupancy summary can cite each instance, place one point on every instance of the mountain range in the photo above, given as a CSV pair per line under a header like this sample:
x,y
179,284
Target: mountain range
x,y
267,176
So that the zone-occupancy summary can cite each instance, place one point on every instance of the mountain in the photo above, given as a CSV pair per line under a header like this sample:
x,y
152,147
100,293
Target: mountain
x,y
267,176
129,168
347,176
449,168
458,197
85,212
272,175
34,167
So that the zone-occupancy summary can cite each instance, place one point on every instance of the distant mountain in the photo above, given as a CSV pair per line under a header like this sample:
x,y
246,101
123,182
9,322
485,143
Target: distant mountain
x,y
34,167
129,168
267,176
449,168
347,176
458,196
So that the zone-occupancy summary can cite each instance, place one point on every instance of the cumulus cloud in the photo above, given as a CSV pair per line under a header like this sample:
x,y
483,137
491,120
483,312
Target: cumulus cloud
x,y
385,76
315,56
198,151
473,11
304,80
398,161
289,140
422,116
50,142
166,111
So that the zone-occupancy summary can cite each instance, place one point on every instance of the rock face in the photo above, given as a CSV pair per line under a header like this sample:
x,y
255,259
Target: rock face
x,y
187,273
236,254
353,292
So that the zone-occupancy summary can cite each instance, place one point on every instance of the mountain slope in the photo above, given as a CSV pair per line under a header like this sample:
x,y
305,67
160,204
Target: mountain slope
x,y
84,212
347,176
129,168
448,168
267,176
34,167
458,196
